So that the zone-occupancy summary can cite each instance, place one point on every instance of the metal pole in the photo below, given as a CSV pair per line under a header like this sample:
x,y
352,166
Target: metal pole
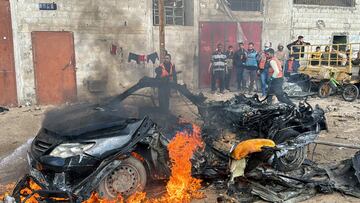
x,y
161,30
334,144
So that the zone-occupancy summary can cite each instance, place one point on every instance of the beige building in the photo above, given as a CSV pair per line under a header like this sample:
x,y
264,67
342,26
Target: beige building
x,y
80,49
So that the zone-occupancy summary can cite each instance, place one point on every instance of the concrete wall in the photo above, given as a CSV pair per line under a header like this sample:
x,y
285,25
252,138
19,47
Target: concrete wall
x,y
275,16
96,25
128,24
338,20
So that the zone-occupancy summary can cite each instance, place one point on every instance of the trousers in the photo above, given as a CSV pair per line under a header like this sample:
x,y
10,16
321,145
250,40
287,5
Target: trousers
x,y
264,81
241,83
218,75
228,78
275,88
250,74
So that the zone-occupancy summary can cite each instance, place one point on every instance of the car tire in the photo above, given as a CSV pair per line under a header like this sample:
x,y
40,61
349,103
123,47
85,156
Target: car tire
x,y
294,158
125,180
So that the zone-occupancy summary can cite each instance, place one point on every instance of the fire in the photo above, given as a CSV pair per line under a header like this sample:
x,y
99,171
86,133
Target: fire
x,y
6,189
28,191
181,187
96,199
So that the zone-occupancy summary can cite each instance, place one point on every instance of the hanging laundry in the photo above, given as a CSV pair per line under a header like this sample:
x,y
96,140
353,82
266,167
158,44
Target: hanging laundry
x,y
133,57
152,57
142,58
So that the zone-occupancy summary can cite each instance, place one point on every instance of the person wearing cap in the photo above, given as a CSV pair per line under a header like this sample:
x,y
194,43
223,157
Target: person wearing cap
x,y
239,60
297,49
281,55
276,79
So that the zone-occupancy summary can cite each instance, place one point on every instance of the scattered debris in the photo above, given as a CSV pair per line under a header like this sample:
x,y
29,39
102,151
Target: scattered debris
x,y
3,109
274,172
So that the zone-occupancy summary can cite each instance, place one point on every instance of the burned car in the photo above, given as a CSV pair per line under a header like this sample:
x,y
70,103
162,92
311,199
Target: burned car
x,y
98,147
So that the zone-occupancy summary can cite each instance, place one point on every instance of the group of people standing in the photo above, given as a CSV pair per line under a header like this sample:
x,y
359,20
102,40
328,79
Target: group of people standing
x,y
267,66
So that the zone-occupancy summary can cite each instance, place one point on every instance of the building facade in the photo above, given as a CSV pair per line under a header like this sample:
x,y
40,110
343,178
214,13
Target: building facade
x,y
80,50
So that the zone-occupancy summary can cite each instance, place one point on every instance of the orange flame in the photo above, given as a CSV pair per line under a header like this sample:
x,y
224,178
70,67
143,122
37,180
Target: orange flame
x,y
96,199
6,189
182,187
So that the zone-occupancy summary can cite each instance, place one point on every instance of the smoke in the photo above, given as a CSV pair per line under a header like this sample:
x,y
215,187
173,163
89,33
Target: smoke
x,y
14,166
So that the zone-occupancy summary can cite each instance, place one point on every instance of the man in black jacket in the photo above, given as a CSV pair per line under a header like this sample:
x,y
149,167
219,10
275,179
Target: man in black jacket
x,y
229,66
239,60
297,49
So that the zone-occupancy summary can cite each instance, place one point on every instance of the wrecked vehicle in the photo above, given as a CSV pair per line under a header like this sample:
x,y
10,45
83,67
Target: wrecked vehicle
x,y
98,147
242,118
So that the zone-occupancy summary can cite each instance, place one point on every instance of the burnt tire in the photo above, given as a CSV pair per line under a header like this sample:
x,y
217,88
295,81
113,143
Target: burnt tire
x,y
350,93
325,90
125,180
294,158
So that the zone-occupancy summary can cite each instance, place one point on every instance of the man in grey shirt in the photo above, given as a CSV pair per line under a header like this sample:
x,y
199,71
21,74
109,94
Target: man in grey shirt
x,y
218,65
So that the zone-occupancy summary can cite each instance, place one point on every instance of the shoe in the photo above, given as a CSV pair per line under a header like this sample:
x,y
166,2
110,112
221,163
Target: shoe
x,y
212,92
222,92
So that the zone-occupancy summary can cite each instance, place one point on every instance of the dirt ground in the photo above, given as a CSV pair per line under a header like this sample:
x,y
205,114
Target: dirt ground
x,y
20,124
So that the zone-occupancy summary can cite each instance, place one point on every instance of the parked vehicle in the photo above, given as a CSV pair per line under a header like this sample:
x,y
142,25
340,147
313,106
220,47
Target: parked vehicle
x,y
332,69
98,147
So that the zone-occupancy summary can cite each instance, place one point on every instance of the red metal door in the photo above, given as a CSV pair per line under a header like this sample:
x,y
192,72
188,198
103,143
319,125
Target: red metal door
x,y
7,69
212,33
252,32
54,62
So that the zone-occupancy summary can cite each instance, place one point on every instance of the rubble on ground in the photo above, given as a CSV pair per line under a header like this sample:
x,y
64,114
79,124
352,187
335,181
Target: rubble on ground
x,y
261,173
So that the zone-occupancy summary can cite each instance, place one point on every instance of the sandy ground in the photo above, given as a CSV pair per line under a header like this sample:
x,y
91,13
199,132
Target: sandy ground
x,y
21,124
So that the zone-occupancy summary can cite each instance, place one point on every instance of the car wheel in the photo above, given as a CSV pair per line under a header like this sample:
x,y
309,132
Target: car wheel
x,y
294,158
125,180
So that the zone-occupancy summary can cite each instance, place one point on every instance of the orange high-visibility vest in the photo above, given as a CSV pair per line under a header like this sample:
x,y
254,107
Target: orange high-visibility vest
x,y
164,72
290,66
262,61
271,70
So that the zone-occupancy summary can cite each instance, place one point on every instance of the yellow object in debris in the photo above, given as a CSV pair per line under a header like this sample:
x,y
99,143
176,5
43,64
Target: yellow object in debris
x,y
243,149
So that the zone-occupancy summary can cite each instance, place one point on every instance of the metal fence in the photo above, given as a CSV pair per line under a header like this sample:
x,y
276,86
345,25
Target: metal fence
x,y
342,3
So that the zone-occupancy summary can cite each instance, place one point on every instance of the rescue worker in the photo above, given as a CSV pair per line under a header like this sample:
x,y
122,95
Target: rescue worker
x,y
289,66
239,60
229,66
218,65
263,69
166,72
276,79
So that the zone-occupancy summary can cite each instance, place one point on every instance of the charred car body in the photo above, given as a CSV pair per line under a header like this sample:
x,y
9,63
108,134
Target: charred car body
x,y
95,147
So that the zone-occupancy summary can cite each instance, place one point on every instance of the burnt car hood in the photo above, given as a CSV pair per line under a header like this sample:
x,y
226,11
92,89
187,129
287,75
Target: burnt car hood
x,y
79,119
